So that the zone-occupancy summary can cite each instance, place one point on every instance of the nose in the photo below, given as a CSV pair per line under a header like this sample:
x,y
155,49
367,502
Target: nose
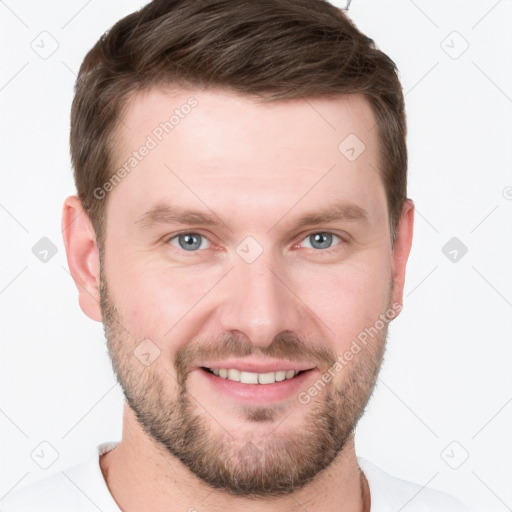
x,y
259,300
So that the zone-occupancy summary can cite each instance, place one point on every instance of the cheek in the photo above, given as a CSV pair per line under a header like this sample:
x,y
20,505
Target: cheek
x,y
349,297
152,300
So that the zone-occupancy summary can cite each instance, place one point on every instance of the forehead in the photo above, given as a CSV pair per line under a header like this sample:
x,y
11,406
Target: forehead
x,y
220,150
156,110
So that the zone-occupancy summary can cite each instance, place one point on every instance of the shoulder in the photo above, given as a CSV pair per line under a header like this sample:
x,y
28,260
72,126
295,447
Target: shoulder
x,y
55,493
80,488
389,493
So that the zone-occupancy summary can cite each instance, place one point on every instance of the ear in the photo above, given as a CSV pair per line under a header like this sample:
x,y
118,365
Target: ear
x,y
402,249
82,255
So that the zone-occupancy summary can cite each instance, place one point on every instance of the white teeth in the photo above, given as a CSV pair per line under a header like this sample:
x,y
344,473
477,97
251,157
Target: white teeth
x,y
267,378
280,375
233,374
254,378
247,378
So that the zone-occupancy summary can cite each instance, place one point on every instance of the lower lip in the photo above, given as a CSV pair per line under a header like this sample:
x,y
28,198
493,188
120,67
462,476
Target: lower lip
x,y
259,393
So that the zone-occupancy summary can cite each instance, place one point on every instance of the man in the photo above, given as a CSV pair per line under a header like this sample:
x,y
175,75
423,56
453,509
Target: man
x,y
242,230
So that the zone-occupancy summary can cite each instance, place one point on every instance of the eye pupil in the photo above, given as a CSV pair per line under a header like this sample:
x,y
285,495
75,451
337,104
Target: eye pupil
x,y
318,237
191,241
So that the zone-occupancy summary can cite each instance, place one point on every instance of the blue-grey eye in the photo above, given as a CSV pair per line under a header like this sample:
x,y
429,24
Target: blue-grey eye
x,y
322,240
189,241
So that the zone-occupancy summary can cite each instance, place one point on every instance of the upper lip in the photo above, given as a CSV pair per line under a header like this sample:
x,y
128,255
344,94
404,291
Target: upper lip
x,y
255,366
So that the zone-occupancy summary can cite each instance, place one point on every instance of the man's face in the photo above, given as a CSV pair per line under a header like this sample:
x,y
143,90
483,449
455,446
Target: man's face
x,y
253,290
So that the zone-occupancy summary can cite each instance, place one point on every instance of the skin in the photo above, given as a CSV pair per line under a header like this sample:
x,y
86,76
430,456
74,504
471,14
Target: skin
x,y
258,167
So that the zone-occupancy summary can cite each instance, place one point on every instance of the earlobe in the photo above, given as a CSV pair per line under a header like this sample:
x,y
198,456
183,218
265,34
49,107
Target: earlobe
x,y
403,242
82,256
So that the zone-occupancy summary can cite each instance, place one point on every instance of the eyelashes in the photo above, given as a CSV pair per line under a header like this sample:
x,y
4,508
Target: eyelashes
x,y
192,242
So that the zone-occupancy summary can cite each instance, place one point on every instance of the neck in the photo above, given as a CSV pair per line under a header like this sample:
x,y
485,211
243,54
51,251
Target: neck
x,y
142,476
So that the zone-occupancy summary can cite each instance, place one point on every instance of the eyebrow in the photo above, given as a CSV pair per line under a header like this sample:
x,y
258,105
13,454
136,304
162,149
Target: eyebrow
x,y
164,213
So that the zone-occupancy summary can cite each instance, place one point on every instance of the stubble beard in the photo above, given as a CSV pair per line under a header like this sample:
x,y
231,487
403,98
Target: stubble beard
x,y
274,465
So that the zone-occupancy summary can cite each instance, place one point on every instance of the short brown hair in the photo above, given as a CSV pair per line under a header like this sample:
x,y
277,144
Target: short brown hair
x,y
269,49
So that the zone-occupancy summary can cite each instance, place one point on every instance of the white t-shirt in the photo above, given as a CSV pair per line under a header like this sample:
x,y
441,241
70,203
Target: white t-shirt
x,y
82,488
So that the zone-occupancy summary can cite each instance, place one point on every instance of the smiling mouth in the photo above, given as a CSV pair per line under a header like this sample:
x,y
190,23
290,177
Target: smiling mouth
x,y
253,378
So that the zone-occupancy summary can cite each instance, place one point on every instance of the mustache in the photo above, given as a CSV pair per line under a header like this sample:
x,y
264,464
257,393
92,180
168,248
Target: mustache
x,y
286,345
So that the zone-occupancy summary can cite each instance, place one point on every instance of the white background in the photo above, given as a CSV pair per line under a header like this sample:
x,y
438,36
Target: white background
x,y
446,376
